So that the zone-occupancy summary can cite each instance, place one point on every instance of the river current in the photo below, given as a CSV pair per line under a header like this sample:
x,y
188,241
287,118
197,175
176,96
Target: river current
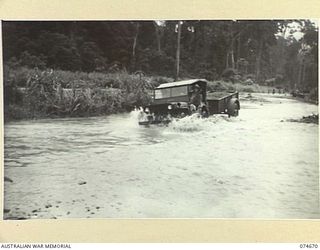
x,y
256,165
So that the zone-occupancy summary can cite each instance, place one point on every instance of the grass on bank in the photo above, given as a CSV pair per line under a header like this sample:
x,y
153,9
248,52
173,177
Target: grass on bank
x,y
31,93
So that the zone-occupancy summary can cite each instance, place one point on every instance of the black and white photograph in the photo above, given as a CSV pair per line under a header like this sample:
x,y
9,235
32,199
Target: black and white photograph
x,y
161,119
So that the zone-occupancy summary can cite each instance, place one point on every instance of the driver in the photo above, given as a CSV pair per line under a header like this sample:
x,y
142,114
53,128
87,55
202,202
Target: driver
x,y
196,96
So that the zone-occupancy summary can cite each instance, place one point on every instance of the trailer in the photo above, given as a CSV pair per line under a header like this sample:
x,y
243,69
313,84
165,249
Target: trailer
x,y
223,103
182,98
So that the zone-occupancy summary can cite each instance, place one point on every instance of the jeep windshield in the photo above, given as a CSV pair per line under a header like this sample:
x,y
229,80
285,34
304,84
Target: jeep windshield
x,y
171,92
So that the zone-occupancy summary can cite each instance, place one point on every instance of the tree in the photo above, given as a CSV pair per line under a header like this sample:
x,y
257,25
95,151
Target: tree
x,y
198,48
178,49
91,57
134,45
158,25
309,56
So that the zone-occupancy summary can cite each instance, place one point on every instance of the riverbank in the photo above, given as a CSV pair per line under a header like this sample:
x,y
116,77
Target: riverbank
x,y
306,119
35,94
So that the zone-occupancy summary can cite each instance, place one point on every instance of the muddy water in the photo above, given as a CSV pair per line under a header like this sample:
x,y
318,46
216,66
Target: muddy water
x,y
256,165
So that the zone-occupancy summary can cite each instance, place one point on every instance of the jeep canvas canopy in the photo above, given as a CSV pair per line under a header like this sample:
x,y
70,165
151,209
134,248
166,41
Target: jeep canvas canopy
x,y
201,82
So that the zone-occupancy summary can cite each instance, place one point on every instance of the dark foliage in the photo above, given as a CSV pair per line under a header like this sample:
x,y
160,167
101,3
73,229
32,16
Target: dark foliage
x,y
120,54
261,48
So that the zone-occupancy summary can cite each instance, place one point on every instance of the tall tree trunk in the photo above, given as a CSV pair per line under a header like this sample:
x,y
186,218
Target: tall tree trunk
x,y
232,57
238,51
232,51
158,36
258,60
178,51
303,77
134,45
227,60
198,34
299,82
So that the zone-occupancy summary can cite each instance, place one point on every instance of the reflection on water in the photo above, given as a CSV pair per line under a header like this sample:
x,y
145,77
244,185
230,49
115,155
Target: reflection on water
x,y
251,166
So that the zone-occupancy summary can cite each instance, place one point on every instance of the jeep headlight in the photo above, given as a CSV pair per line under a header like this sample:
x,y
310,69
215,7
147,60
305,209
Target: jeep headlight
x,y
169,106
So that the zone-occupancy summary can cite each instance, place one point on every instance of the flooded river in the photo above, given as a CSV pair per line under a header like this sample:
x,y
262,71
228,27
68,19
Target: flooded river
x,y
257,165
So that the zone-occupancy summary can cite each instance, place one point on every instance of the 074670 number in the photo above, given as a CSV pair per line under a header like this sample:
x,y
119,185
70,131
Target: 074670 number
x,y
304,245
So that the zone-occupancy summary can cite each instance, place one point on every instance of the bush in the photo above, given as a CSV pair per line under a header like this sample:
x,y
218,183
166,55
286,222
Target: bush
x,y
32,61
248,89
60,93
218,86
249,76
270,82
249,81
229,73
205,71
314,94
27,60
12,94
227,86
152,61
17,112
155,81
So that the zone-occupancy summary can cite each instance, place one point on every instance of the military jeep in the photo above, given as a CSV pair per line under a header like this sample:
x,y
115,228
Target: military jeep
x,y
182,98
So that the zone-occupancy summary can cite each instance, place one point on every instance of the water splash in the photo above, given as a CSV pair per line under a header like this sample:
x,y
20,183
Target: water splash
x,y
195,123
136,113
